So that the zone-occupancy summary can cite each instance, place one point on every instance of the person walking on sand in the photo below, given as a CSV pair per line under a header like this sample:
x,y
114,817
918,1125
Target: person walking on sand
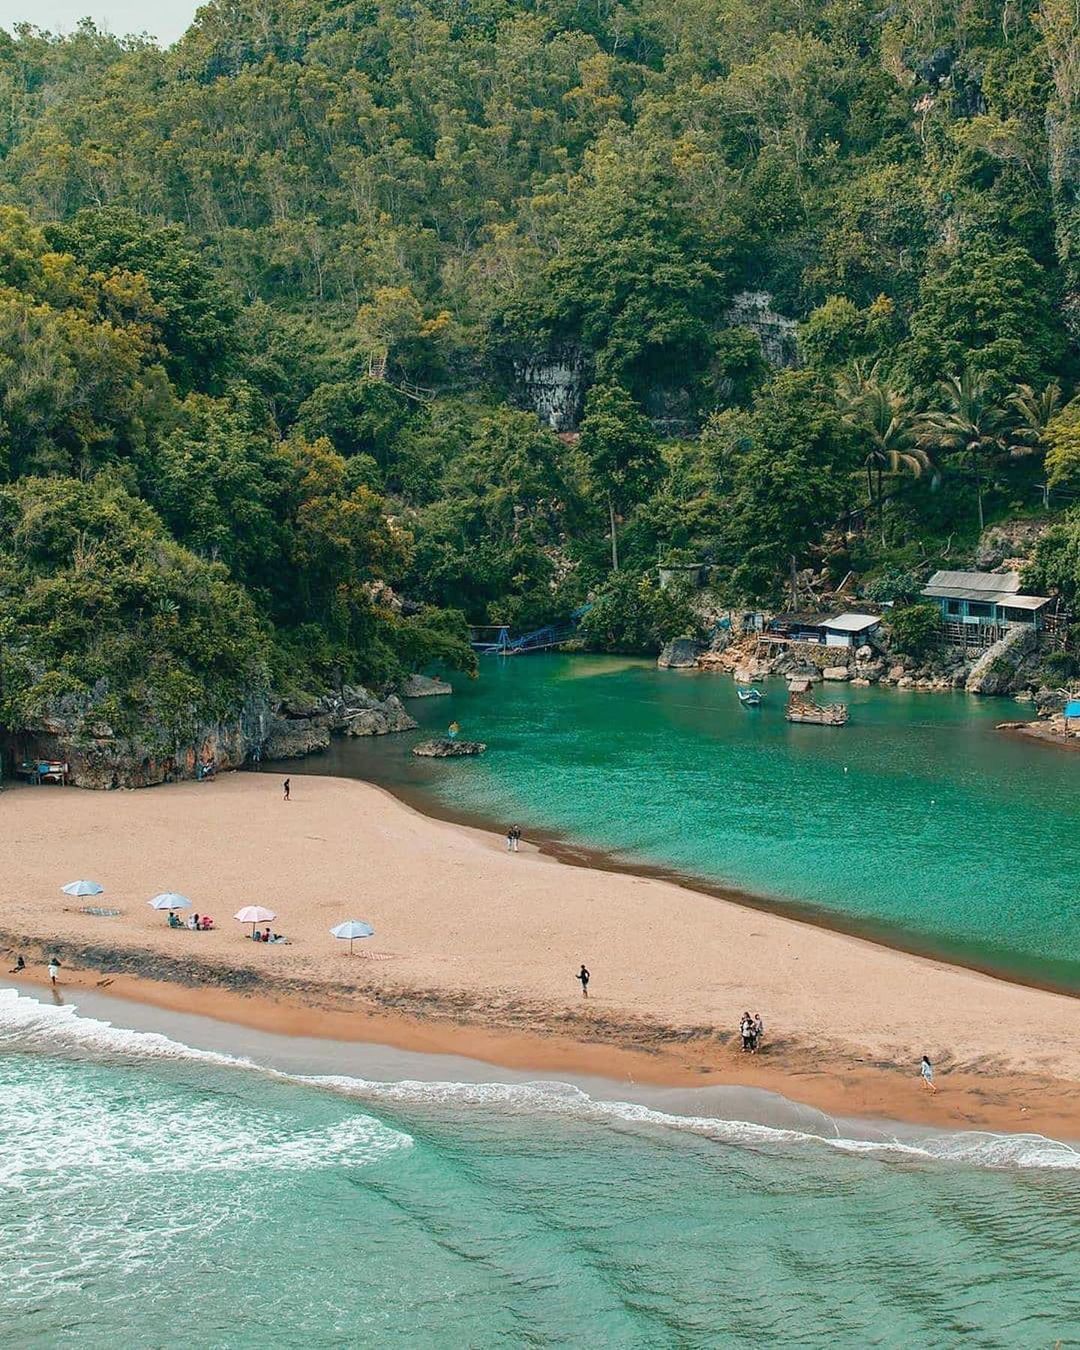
x,y
759,1032
285,785
510,839
584,977
746,1031
927,1071
54,969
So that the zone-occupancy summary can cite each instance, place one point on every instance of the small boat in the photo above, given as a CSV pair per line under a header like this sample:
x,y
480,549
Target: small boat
x,y
750,697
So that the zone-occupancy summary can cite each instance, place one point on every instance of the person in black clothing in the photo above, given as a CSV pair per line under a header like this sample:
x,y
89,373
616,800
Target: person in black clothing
x,y
19,966
286,787
583,976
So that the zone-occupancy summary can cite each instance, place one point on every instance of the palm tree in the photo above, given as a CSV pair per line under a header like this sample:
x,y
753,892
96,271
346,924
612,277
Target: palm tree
x,y
971,423
887,426
1032,412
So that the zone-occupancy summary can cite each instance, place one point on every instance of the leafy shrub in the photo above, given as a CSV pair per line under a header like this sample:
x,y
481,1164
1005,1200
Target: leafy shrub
x,y
914,629
632,614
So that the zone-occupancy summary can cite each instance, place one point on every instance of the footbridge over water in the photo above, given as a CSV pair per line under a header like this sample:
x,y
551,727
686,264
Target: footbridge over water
x,y
495,639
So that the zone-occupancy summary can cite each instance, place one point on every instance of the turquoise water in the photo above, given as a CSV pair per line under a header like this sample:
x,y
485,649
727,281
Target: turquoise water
x,y
917,820
154,1195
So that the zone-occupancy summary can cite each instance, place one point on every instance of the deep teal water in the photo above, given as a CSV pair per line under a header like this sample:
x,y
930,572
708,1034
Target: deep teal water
x,y
155,1196
917,821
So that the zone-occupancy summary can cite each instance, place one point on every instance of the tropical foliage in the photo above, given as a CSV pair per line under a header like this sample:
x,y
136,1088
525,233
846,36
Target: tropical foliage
x,y
789,285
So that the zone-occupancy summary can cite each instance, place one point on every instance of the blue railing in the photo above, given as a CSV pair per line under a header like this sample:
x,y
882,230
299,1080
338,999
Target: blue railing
x,y
551,635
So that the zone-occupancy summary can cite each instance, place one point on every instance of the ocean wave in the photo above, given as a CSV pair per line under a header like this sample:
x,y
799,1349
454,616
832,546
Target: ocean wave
x,y
973,1147
27,1024
62,1127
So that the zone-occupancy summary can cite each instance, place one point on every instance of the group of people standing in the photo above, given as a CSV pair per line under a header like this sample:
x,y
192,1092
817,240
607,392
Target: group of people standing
x,y
752,1030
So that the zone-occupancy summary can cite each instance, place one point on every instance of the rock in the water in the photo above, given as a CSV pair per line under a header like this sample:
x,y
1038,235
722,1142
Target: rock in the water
x,y
423,686
444,748
379,720
836,673
679,654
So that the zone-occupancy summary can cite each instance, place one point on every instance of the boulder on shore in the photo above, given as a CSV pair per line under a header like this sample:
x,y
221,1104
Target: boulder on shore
x,y
444,748
379,720
679,654
836,673
1000,667
424,686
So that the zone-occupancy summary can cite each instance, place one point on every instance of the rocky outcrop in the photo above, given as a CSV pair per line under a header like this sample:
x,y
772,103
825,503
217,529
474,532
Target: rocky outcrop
x,y
999,667
776,332
262,729
836,673
679,654
554,386
424,686
444,748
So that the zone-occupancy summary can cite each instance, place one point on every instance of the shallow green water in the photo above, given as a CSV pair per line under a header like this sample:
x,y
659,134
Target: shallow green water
x,y
917,820
152,1195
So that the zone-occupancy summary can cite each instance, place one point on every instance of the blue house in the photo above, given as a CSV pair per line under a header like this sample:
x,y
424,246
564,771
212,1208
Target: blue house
x,y
985,600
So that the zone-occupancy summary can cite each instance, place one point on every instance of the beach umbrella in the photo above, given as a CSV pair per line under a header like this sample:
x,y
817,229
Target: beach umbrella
x,y
169,900
254,914
82,888
352,929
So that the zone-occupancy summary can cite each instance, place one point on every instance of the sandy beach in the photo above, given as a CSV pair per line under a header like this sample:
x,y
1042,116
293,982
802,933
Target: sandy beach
x,y
476,950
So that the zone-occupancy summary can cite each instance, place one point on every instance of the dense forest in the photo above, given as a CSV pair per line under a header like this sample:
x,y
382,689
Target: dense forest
x,y
344,321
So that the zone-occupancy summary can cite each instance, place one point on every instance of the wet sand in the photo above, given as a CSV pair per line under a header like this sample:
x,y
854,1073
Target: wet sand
x,y
475,953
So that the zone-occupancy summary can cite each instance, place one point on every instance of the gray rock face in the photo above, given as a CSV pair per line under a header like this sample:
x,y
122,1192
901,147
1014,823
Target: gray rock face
x,y
444,748
777,333
423,686
294,737
836,673
997,670
261,729
379,720
679,654
554,385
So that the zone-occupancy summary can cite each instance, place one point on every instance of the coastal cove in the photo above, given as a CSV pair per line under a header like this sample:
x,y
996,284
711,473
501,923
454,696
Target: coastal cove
x,y
919,824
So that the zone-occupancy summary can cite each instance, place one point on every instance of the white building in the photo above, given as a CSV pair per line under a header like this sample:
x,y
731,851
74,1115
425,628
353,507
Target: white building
x,y
850,629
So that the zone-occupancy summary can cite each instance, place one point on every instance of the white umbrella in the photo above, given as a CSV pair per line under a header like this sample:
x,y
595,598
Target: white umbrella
x,y
254,914
82,888
169,900
352,929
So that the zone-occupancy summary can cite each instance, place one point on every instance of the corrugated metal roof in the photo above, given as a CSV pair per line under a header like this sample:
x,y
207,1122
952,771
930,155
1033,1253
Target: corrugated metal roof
x,y
1025,601
987,597
966,593
1005,582
851,623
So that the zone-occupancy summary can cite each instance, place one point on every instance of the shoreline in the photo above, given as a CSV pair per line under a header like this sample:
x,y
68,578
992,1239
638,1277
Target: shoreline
x,y
855,1089
472,958
554,845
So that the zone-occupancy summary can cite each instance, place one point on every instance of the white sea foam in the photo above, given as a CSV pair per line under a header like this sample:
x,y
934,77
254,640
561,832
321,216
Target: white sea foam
x,y
60,1128
30,1025
973,1147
